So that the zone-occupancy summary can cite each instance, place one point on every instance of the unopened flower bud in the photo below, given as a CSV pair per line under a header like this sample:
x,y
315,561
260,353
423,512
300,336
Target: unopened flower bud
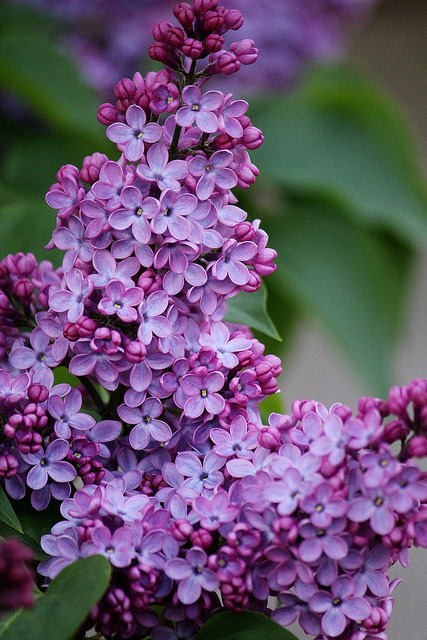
x,y
203,6
264,261
23,288
181,529
135,352
245,51
164,53
226,63
254,282
213,43
38,393
192,48
233,19
92,166
417,447
201,538
184,14
8,465
161,31
212,22
125,89
107,114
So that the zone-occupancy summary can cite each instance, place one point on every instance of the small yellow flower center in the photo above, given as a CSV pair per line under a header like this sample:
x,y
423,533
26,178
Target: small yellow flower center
x,y
203,393
320,533
222,562
139,211
169,99
139,135
117,305
208,167
378,502
195,107
319,508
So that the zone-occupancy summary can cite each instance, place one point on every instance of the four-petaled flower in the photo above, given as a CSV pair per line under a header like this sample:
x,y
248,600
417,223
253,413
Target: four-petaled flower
x,y
135,133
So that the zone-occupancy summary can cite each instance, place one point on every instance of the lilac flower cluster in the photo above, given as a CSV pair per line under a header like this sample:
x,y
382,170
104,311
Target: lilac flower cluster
x,y
313,508
16,577
155,448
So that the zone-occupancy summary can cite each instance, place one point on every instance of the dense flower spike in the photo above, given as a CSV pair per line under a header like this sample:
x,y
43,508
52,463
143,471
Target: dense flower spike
x,y
158,454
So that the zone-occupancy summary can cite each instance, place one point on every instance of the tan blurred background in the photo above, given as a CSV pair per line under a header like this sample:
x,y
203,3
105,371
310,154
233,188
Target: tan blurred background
x,y
392,47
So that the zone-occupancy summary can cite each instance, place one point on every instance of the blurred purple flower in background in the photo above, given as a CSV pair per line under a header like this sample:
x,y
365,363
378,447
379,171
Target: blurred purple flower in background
x,y
107,37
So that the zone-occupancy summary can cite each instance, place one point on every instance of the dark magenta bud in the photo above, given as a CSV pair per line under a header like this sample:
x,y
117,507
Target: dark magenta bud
x,y
252,138
8,465
264,261
149,281
164,53
201,538
212,21
20,264
23,288
92,166
135,352
213,43
107,114
245,51
254,282
181,529
192,48
233,19
226,63
125,88
203,6
417,447
184,14
38,393
244,231
161,30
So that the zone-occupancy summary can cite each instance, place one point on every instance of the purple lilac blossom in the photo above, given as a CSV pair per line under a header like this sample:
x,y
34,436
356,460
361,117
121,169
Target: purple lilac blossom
x,y
177,479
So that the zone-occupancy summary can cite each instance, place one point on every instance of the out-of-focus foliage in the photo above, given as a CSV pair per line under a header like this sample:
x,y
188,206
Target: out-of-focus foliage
x,y
61,610
340,190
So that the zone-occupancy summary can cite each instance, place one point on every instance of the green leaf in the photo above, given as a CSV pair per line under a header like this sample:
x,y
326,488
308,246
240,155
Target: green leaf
x,y
245,625
251,309
34,524
33,67
7,514
342,275
332,147
59,612
271,404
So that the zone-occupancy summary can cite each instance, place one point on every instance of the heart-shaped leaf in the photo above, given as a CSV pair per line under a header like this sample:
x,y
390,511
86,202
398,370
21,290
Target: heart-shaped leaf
x,y
244,625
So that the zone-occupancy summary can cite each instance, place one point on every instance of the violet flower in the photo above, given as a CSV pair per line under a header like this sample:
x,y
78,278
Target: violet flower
x,y
339,606
135,133
191,575
157,169
199,108
49,463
